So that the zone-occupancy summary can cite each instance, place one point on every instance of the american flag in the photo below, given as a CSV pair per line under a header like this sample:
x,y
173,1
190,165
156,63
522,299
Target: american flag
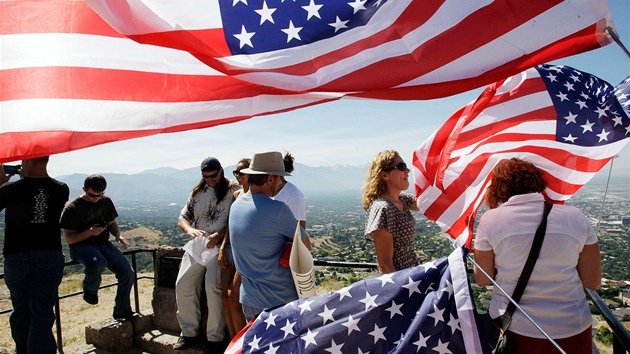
x,y
425,309
403,49
568,123
69,81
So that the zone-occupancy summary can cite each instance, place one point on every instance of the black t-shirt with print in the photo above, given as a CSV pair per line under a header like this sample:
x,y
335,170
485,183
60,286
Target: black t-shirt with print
x,y
33,207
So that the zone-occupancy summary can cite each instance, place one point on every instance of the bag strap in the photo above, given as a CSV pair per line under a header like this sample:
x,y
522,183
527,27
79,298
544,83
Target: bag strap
x,y
531,260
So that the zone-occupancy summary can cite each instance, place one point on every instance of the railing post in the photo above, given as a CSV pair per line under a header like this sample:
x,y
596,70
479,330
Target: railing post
x,y
135,282
617,345
58,326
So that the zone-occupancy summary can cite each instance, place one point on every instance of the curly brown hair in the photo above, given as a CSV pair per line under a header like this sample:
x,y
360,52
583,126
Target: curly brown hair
x,y
513,177
374,184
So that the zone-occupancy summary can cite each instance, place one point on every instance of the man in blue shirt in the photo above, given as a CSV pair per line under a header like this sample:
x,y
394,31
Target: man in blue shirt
x,y
260,227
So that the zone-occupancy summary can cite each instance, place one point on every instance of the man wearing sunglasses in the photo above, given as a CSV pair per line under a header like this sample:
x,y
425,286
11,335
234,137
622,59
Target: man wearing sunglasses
x,y
205,218
87,222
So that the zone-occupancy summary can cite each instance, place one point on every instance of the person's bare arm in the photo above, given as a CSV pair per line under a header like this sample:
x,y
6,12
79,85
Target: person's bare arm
x,y
185,226
113,228
384,246
589,267
222,257
307,242
485,260
72,236
216,238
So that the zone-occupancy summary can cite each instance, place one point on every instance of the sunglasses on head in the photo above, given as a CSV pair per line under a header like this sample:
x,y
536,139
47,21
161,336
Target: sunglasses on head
x,y
237,173
401,167
95,195
210,176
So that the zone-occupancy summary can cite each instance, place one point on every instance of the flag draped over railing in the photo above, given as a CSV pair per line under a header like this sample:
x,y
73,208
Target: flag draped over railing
x,y
425,309
403,49
568,123
68,80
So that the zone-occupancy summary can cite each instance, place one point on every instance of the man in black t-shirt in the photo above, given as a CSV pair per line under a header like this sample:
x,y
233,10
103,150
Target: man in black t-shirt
x,y
33,261
87,222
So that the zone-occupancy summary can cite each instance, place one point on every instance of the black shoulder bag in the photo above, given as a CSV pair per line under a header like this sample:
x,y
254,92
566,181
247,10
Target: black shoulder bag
x,y
496,328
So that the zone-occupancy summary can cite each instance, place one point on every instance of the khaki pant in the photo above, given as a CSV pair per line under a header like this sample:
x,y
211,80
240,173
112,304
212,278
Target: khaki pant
x,y
188,292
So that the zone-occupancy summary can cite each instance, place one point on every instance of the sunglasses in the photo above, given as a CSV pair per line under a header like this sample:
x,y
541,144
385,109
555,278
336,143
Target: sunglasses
x,y
95,195
401,167
210,176
237,173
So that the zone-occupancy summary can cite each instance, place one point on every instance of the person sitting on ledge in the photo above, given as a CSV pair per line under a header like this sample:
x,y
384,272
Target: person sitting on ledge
x,y
87,222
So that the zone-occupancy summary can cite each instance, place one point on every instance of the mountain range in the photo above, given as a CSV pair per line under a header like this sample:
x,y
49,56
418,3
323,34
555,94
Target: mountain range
x,y
171,185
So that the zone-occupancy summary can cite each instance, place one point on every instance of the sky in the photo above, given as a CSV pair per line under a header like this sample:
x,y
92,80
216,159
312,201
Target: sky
x,y
344,132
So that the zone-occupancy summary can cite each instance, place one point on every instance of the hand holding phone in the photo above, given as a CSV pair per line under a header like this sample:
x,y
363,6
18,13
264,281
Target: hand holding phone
x,y
12,169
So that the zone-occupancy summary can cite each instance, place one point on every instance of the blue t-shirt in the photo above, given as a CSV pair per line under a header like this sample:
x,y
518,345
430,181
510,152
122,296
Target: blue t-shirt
x,y
260,227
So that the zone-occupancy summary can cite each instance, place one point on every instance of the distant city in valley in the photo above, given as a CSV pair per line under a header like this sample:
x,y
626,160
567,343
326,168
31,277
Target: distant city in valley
x,y
335,218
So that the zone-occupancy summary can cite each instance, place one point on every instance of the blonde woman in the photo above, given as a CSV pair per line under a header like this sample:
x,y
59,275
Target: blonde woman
x,y
389,223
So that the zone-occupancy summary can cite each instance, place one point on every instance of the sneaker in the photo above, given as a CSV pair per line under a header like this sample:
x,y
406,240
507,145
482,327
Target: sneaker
x,y
130,317
91,299
184,343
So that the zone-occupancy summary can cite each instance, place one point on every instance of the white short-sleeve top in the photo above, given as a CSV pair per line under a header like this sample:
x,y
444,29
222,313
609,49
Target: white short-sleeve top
x,y
554,296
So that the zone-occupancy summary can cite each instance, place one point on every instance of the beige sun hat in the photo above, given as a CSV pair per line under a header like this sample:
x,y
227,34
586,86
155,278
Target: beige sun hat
x,y
266,163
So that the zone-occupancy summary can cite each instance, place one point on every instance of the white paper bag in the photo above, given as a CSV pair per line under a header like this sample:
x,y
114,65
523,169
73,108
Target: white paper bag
x,y
301,262
197,249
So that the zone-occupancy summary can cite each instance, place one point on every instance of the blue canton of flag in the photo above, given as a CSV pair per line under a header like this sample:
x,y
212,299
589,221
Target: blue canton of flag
x,y
425,309
590,111
254,26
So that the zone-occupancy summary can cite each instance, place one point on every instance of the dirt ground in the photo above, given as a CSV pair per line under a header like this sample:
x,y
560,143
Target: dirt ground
x,y
76,314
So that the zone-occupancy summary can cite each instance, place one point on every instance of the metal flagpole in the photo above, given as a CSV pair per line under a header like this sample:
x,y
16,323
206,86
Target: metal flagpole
x,y
517,305
601,212
612,33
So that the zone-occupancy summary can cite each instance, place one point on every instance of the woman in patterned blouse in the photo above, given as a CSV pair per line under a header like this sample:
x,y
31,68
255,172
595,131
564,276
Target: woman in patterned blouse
x,y
389,222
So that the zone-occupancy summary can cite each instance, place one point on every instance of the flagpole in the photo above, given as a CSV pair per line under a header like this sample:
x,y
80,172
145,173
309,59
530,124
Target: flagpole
x,y
601,212
612,33
517,305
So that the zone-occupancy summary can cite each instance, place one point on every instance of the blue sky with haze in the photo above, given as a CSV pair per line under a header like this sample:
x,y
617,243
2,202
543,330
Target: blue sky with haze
x,y
348,131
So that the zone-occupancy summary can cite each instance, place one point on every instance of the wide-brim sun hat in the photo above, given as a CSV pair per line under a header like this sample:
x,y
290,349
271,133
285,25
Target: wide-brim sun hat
x,y
266,163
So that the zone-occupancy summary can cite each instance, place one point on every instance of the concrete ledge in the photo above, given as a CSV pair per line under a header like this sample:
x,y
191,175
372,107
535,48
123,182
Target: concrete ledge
x,y
161,342
109,335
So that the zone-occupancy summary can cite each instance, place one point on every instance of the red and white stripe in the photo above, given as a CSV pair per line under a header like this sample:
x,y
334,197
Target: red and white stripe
x,y
511,118
410,49
69,81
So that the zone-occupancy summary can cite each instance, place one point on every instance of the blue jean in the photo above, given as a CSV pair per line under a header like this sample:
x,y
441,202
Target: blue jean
x,y
97,257
33,278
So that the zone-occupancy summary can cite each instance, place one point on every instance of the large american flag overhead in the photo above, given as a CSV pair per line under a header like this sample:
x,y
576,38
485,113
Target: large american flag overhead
x,y
567,122
69,80
425,309
403,49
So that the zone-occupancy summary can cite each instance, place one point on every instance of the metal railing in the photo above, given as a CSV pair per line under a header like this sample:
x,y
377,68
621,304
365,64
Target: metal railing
x,y
621,337
72,263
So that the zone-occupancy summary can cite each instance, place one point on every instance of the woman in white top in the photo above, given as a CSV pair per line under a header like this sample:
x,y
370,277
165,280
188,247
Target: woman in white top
x,y
569,261
290,195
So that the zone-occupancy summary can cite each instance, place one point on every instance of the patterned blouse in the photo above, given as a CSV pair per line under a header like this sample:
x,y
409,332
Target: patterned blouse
x,y
384,215
203,211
